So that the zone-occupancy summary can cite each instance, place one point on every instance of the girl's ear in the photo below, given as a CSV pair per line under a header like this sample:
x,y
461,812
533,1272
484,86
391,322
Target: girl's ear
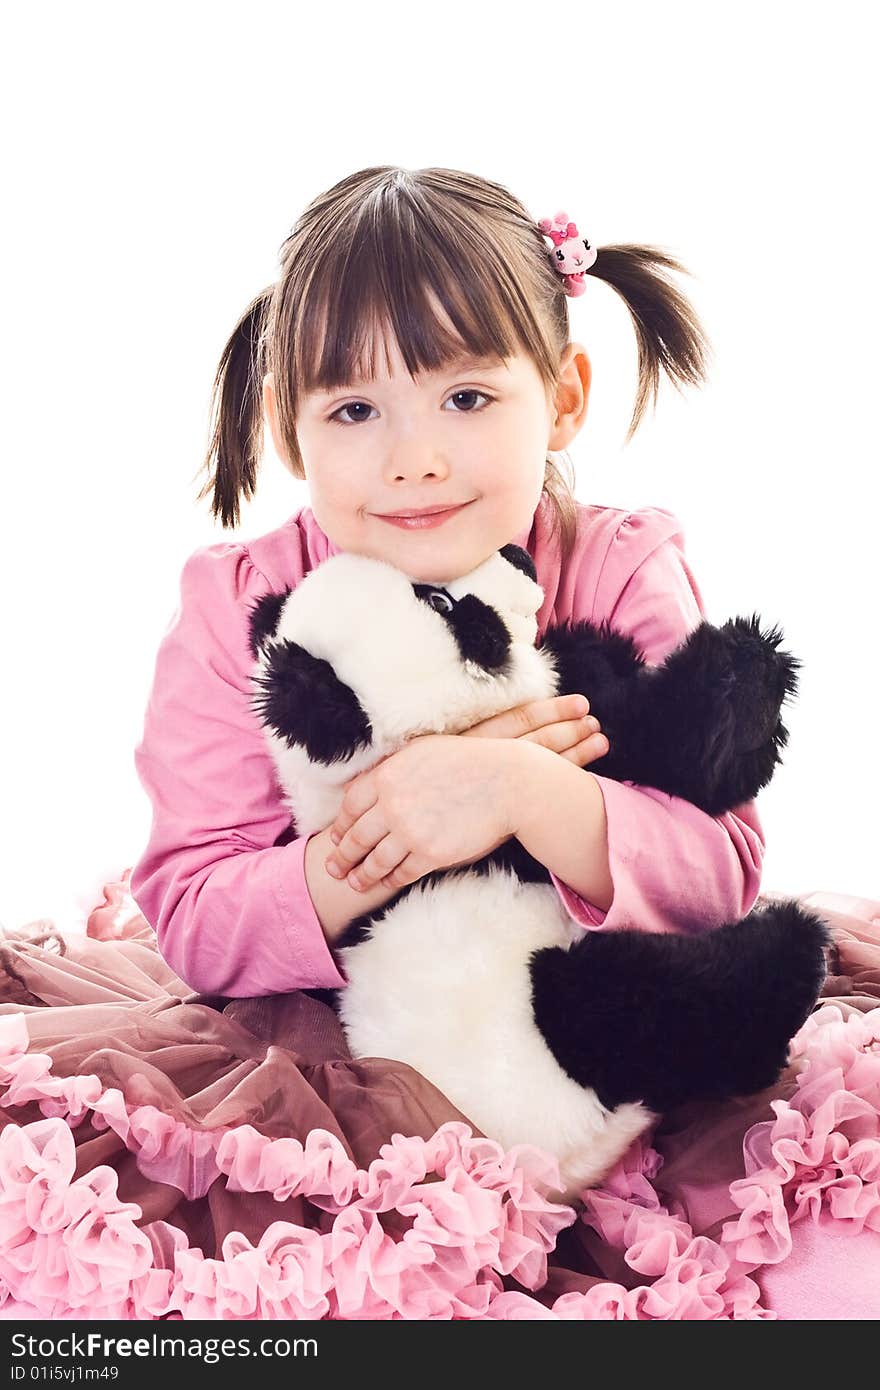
x,y
270,408
572,395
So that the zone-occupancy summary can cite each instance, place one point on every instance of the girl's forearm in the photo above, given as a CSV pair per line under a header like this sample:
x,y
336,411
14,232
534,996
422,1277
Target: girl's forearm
x,y
558,814
336,903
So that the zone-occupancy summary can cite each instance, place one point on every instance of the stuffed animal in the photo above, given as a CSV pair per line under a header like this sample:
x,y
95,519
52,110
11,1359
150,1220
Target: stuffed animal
x,y
537,1031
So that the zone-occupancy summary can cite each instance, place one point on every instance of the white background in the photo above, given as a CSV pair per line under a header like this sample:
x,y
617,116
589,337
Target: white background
x,y
157,156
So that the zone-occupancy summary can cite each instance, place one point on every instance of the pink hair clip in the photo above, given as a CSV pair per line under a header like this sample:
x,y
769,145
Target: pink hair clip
x,y
572,254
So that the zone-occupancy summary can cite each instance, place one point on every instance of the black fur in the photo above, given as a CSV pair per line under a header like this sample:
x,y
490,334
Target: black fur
x,y
704,725
263,619
520,559
481,635
302,699
668,1019
479,632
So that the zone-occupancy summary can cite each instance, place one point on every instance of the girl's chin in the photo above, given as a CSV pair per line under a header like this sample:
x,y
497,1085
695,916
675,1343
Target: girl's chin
x,y
424,561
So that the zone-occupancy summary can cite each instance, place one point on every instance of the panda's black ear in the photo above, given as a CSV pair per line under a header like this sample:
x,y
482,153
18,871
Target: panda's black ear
x,y
263,619
520,559
300,698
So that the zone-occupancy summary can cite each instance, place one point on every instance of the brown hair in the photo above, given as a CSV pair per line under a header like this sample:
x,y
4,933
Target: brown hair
x,y
367,252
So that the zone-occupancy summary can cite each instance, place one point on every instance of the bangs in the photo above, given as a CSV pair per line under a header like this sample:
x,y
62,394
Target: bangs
x,y
394,278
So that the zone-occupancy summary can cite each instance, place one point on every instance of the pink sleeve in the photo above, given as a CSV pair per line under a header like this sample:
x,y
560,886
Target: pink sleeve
x,y
230,907
673,866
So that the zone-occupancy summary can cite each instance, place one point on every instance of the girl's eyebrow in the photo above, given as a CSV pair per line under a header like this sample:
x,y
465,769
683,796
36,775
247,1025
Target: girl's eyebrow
x,y
459,364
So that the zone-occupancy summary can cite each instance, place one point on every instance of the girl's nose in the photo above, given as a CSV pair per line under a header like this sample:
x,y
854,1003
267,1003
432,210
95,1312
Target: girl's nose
x,y
414,461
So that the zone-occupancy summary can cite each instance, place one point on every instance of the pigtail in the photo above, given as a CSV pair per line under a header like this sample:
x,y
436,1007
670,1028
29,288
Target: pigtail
x,y
234,453
668,330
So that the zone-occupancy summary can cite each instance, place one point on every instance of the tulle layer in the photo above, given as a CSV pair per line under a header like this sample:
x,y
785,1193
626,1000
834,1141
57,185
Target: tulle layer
x,y
166,1156
70,1247
819,1158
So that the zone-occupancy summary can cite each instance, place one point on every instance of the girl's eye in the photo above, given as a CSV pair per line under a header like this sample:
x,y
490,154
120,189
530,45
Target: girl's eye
x,y
355,405
472,391
352,405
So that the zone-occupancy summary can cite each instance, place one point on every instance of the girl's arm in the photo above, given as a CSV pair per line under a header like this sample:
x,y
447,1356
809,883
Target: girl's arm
x,y
335,902
671,866
560,819
221,880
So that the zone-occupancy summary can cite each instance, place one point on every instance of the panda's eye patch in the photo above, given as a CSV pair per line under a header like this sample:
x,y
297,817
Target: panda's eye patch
x,y
438,599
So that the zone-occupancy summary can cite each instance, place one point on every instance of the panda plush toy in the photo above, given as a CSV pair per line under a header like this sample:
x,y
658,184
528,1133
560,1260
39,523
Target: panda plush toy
x,y
537,1031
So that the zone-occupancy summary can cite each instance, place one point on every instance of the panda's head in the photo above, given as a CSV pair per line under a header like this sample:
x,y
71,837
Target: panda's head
x,y
358,658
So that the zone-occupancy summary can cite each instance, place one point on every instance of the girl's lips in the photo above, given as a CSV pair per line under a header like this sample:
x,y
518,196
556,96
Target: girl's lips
x,y
422,523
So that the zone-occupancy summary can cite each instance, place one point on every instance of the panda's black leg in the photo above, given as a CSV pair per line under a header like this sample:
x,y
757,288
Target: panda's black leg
x,y
667,1019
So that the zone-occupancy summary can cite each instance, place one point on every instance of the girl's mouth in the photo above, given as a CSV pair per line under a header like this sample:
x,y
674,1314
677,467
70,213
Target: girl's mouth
x,y
422,523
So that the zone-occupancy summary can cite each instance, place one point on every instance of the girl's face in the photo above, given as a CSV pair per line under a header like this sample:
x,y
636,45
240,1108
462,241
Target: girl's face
x,y
475,433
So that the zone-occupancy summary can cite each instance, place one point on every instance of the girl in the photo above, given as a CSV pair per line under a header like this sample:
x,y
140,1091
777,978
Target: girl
x,y
444,304
415,365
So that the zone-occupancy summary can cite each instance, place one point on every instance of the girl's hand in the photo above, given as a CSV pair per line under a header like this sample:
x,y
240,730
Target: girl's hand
x,y
561,724
436,803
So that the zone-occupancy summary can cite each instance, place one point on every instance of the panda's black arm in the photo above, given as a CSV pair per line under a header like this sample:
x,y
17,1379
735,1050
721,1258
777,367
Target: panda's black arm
x,y
704,725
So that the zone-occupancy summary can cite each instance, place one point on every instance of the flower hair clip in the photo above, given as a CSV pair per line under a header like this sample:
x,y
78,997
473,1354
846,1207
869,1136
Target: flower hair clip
x,y
572,254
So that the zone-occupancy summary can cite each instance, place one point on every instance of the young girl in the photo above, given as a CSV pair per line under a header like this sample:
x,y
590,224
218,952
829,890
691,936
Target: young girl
x,y
415,364
415,354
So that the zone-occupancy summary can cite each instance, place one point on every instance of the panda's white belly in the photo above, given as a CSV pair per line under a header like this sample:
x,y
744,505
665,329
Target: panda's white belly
x,y
443,984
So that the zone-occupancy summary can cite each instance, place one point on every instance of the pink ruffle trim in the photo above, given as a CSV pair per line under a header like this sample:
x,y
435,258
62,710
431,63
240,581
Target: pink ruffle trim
x,y
71,1248
820,1156
694,1278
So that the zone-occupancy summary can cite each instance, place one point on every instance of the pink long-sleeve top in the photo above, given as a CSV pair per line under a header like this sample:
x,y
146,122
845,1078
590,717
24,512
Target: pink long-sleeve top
x,y
222,881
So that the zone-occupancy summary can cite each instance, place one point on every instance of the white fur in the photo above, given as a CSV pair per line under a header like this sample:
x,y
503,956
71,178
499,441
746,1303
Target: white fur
x,y
443,984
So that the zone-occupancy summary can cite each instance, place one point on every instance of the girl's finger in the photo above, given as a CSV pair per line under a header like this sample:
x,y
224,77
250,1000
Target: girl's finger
x,y
553,710
362,836
406,872
381,862
589,750
529,718
359,796
564,735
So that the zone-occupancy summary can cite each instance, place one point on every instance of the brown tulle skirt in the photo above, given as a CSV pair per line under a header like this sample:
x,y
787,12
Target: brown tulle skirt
x,y
167,1109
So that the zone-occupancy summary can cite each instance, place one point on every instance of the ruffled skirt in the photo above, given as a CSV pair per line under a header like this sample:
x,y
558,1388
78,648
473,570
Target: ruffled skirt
x,y
165,1155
